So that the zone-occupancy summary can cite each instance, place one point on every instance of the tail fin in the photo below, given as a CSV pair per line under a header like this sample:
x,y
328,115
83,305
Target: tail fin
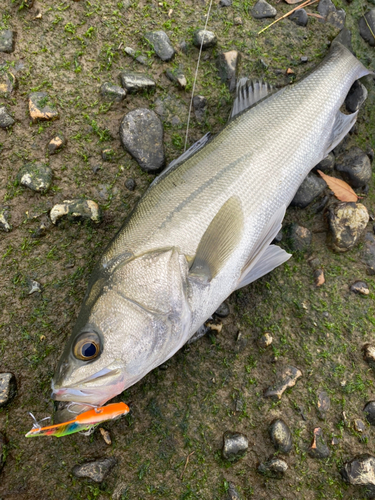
x,y
358,70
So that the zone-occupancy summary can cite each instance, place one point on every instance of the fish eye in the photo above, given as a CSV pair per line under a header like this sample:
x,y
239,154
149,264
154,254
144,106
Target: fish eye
x,y
87,346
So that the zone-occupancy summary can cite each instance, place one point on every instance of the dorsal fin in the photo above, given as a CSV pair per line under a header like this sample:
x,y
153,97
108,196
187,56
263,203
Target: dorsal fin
x,y
248,93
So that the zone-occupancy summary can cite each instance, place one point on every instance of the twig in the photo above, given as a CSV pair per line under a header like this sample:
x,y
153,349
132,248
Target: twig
x,y
187,461
315,15
304,4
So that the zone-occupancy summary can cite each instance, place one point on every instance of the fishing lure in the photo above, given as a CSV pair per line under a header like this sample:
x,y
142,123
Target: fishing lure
x,y
83,422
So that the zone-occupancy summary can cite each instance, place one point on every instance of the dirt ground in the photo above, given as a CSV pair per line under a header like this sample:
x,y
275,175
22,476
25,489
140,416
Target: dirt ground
x,y
180,412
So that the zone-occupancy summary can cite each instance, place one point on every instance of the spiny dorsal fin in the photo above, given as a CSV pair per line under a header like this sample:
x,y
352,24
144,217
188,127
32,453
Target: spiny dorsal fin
x,y
248,93
219,241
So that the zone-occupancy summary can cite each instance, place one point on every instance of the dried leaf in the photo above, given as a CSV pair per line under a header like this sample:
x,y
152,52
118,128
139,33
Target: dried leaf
x,y
340,188
289,71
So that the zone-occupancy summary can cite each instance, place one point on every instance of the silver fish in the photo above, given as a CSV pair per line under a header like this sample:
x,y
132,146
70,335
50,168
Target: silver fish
x,y
202,230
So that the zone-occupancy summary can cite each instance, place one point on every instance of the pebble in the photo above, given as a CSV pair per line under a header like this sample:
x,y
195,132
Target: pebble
x,y
8,388
225,3
366,33
368,254
354,167
281,436
139,58
134,82
8,81
112,92
326,165
35,176
130,184
76,210
227,64
223,310
232,493
56,144
299,17
369,355
173,111
360,287
235,446
41,107
356,96
96,470
359,425
184,47
285,379
177,76
5,119
347,222
3,450
107,154
319,448
207,37
304,59
369,411
324,404
360,471
106,436
337,18
4,220
319,278
6,41
325,7
265,340
299,237
34,286
238,21
311,188
345,38
262,9
141,134
200,107
161,44
274,468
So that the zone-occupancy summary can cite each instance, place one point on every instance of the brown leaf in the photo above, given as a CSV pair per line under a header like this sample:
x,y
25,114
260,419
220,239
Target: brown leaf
x,y
340,188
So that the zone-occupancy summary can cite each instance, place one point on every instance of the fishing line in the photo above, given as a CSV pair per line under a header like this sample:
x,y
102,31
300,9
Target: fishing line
x,y
196,76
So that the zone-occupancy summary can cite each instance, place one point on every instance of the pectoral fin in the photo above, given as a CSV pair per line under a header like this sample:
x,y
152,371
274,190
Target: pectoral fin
x,y
219,241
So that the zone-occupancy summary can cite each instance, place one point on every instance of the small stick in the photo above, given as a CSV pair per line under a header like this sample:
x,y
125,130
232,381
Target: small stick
x,y
304,4
315,15
187,461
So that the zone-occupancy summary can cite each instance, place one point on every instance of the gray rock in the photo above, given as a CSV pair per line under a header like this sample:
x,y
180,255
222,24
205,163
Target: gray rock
x,y
325,7
360,287
4,219
3,450
34,286
359,425
6,41
368,254
274,468
141,134
223,310
200,107
232,493
207,37
299,17
8,81
337,18
42,108
225,3
285,378
97,470
356,97
35,176
235,446
347,223
227,64
360,471
265,340
76,210
171,110
184,47
112,92
5,119
177,76
161,44
319,448
369,411
262,9
130,184
137,57
364,29
369,355
324,404
281,436
345,38
304,59
56,144
310,189
299,237
354,167
8,388
135,82
326,165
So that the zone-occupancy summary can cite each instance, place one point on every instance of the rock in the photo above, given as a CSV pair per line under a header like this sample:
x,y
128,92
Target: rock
x,y
311,188
8,81
299,237
76,210
8,388
184,47
325,7
262,9
35,176
319,278
274,468
360,287
6,41
367,27
281,436
4,219
214,325
347,222
161,44
3,450
96,470
359,425
326,165
235,446
299,17
41,107
56,144
5,119
356,96
177,76
368,254
134,54
304,59
337,18
354,167
222,311
112,92
225,3
227,64
265,340
319,448
135,82
207,37
202,330
141,134
106,436
200,106
238,21
130,184
285,379
34,286
369,411
345,38
361,471
107,154
324,404
232,493
369,355
171,110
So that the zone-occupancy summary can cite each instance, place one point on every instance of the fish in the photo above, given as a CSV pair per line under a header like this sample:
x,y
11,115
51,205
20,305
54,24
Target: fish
x,y
203,229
